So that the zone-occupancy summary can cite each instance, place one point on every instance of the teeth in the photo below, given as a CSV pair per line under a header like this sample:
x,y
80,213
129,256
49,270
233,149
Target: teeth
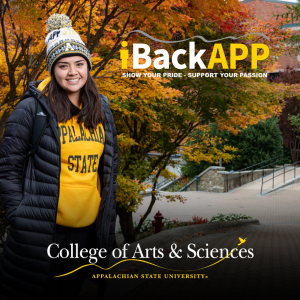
x,y
73,79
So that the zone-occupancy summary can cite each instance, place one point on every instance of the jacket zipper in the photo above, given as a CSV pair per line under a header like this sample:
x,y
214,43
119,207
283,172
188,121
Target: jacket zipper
x,y
101,187
58,189
54,236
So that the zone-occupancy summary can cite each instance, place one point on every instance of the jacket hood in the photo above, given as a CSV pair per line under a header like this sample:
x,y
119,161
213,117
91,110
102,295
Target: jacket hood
x,y
34,92
35,87
32,89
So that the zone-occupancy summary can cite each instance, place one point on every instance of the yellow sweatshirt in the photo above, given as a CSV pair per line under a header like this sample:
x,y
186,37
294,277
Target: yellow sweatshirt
x,y
81,149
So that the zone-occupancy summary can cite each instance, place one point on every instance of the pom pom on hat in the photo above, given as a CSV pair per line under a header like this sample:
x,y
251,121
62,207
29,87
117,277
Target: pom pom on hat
x,y
57,21
62,41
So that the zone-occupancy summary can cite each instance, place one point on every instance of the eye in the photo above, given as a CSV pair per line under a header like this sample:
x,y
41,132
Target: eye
x,y
80,64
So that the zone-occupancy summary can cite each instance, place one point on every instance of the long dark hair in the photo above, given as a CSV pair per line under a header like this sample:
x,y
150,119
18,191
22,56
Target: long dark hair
x,y
91,113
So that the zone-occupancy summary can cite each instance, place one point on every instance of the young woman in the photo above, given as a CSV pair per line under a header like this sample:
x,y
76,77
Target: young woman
x,y
66,201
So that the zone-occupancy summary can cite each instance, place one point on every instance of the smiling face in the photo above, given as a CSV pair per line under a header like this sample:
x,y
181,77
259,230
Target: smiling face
x,y
71,74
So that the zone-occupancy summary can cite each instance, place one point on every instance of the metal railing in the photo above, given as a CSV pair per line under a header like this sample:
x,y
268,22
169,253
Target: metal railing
x,y
271,162
274,160
175,186
284,172
167,184
159,185
197,178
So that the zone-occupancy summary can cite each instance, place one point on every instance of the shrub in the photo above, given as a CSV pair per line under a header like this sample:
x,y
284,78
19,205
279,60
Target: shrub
x,y
228,217
168,223
255,144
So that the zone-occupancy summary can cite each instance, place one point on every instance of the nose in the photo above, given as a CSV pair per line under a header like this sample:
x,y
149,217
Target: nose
x,y
72,70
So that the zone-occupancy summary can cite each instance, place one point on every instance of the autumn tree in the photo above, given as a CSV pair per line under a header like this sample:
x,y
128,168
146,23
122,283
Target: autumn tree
x,y
290,108
290,134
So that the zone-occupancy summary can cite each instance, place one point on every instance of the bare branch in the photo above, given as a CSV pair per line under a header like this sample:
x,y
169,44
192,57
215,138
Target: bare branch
x,y
38,64
106,8
22,53
90,21
4,37
92,43
153,198
125,118
116,47
54,6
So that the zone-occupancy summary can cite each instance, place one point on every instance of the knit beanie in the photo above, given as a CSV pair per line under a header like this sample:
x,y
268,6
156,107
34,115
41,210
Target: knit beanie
x,y
62,41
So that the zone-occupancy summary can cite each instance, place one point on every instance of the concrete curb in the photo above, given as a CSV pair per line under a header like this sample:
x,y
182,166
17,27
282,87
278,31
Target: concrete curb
x,y
167,237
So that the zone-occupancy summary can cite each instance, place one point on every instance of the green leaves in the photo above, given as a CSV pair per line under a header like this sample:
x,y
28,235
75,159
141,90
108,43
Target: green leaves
x,y
254,144
295,122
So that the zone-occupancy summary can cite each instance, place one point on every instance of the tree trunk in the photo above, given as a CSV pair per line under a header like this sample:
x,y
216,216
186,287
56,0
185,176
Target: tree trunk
x,y
149,209
126,224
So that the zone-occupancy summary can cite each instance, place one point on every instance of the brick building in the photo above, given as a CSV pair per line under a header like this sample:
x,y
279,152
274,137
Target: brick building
x,y
264,10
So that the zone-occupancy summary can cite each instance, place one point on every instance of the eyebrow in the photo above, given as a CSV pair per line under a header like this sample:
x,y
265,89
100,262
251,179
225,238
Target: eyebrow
x,y
65,62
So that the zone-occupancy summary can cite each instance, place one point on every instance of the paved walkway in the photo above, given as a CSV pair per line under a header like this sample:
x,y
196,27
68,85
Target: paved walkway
x,y
273,272
282,206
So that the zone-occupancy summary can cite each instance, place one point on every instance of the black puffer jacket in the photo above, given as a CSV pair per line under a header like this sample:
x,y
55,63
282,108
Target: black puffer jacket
x,y
25,265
